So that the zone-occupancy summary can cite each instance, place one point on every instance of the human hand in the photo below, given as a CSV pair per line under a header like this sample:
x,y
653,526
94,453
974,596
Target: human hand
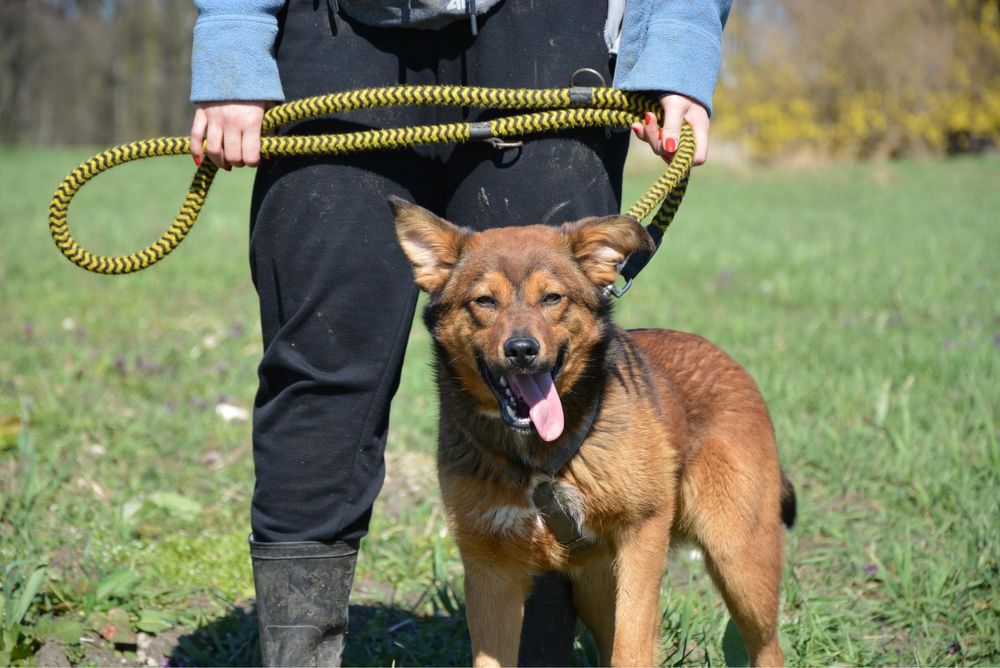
x,y
230,131
676,110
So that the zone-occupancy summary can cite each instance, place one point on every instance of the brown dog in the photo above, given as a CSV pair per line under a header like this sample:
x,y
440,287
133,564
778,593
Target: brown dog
x,y
566,443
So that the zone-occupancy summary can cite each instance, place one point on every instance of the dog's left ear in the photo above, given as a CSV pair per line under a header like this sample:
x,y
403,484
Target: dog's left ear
x,y
601,245
431,243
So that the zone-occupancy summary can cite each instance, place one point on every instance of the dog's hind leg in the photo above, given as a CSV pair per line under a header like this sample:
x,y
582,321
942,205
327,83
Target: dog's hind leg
x,y
494,609
737,521
748,577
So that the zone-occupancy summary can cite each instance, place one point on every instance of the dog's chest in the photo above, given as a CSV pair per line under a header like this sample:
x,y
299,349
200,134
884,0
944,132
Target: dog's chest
x,y
510,519
544,505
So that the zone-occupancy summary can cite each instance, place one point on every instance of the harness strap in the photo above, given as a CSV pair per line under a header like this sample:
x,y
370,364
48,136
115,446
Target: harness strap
x,y
568,448
558,518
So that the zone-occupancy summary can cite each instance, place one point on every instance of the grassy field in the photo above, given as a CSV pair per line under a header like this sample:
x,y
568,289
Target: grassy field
x,y
864,299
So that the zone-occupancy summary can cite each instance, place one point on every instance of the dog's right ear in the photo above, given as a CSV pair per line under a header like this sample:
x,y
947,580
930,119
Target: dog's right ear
x,y
431,243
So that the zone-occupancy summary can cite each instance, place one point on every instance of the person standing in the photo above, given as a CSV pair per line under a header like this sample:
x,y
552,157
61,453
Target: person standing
x,y
336,293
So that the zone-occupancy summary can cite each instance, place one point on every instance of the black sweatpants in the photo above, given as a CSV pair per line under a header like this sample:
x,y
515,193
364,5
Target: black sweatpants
x,y
336,293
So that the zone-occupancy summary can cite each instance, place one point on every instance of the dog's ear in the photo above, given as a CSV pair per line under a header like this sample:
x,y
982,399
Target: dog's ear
x,y
601,245
432,244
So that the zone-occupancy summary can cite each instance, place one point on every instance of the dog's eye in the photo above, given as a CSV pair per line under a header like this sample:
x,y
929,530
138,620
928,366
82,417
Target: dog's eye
x,y
552,298
486,300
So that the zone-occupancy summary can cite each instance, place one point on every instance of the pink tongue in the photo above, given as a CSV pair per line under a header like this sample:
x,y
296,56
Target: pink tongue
x,y
544,407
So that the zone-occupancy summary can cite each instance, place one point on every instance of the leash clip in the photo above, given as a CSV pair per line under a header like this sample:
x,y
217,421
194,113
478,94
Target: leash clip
x,y
502,144
481,131
618,292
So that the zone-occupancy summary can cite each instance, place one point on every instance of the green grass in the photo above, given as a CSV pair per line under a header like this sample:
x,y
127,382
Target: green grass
x,y
864,299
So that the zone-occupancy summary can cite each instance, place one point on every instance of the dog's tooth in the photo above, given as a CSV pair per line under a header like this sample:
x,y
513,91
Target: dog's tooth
x,y
510,411
503,382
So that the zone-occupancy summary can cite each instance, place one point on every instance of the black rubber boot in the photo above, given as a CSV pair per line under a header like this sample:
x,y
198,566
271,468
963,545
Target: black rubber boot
x,y
302,593
549,623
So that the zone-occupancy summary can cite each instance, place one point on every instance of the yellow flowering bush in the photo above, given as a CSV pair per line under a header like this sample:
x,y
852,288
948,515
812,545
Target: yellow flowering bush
x,y
856,78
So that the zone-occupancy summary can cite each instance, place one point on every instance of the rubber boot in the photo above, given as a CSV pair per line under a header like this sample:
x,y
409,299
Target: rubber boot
x,y
302,593
549,626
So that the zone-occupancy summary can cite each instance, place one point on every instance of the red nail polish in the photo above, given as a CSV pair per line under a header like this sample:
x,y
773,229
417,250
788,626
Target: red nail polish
x,y
197,160
670,145
649,118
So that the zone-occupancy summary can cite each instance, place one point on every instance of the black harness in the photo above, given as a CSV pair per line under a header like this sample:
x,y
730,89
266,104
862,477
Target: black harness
x,y
557,516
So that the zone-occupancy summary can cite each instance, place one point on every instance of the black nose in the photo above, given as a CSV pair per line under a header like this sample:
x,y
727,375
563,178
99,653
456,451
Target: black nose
x,y
522,352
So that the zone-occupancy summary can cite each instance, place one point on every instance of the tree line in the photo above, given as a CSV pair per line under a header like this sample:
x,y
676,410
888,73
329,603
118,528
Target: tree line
x,y
844,78
94,71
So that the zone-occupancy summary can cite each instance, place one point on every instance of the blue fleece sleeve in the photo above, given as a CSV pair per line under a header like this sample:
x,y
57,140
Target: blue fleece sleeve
x,y
672,45
232,57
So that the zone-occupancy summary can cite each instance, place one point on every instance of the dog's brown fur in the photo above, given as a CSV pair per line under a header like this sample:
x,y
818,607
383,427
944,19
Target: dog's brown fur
x,y
682,447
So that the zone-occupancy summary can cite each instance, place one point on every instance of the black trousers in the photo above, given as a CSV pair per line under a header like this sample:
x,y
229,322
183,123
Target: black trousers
x,y
336,293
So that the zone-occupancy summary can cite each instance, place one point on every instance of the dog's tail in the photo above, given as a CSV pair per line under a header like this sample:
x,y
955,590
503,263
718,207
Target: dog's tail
x,y
787,501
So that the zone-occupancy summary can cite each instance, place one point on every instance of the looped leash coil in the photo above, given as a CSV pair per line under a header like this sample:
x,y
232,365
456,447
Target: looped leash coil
x,y
549,109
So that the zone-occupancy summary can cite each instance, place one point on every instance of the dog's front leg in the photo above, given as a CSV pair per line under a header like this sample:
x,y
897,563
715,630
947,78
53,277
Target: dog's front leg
x,y
641,560
494,607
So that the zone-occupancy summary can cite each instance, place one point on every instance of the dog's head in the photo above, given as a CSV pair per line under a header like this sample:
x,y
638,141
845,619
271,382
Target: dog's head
x,y
517,311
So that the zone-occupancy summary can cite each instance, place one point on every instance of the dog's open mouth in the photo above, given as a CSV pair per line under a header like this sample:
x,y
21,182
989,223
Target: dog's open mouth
x,y
528,399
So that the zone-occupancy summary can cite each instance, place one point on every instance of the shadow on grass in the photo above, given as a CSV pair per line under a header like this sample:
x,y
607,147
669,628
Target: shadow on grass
x,y
378,636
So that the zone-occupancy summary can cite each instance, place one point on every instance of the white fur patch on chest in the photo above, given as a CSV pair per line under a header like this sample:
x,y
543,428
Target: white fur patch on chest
x,y
508,520
525,520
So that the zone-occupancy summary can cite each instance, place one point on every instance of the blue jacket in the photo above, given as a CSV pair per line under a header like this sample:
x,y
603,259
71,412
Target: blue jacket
x,y
665,45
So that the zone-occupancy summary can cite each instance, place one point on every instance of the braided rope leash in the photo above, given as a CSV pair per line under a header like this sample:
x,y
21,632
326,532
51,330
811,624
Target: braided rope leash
x,y
550,109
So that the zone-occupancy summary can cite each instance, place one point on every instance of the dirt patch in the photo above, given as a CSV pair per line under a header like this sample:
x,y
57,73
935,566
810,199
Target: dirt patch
x,y
148,650
52,654
97,654
157,650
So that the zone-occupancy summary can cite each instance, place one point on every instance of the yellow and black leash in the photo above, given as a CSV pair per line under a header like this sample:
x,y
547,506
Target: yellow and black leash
x,y
549,109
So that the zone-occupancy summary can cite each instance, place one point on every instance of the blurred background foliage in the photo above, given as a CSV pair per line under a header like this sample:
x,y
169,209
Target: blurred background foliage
x,y
801,78
94,71
860,79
